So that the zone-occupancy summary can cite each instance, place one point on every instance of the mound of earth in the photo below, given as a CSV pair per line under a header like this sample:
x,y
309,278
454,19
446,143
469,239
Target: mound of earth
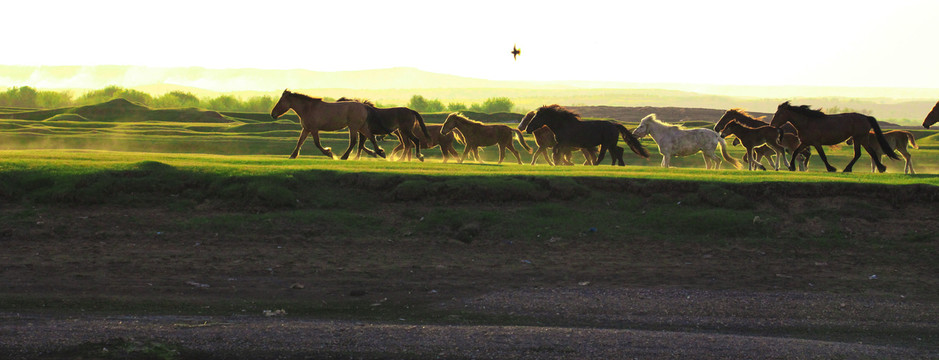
x,y
67,117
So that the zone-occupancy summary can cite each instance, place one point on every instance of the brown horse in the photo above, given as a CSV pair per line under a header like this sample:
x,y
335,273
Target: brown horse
x,y
317,115
899,140
932,117
389,120
478,134
751,137
546,139
817,129
436,139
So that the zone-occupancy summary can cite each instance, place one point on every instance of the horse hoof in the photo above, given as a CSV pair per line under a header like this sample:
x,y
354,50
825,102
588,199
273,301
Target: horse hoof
x,y
293,156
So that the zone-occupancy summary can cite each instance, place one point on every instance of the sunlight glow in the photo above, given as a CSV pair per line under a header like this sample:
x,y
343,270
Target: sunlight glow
x,y
801,42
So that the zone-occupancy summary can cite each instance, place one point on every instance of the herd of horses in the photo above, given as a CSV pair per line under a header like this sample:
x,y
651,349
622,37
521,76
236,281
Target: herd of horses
x,y
786,140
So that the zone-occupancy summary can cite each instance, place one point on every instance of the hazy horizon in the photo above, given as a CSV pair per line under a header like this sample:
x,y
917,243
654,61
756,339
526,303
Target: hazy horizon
x,y
202,79
826,43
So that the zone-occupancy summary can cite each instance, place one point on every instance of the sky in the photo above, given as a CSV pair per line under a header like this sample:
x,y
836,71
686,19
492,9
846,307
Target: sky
x,y
726,42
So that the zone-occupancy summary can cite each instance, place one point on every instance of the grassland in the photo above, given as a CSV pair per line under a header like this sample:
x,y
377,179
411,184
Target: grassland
x,y
131,215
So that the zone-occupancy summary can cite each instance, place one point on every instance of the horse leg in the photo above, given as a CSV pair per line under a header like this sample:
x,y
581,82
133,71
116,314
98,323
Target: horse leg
x,y
515,152
618,158
501,153
603,149
417,142
821,154
466,150
303,135
316,141
476,154
353,140
870,151
378,150
908,167
857,154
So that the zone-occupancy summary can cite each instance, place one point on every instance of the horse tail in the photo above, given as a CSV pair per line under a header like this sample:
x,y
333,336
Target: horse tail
x,y
888,150
632,141
420,120
726,155
458,135
912,139
521,140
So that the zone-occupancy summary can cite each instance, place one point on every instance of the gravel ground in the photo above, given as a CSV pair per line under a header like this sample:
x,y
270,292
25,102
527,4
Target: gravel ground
x,y
296,338
712,325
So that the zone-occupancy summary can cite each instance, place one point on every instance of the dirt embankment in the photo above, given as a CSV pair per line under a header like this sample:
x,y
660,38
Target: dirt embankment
x,y
824,271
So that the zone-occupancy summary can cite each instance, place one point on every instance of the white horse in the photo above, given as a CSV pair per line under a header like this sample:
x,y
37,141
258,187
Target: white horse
x,y
673,140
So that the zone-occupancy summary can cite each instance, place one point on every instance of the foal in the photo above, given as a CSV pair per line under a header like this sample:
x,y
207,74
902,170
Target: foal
x,y
898,140
478,134
752,137
436,139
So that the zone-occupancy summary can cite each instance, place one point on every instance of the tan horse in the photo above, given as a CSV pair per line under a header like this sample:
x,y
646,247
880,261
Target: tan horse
x,y
478,134
751,137
436,139
899,140
317,115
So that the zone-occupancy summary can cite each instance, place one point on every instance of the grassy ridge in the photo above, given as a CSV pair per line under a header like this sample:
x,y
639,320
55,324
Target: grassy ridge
x,y
94,176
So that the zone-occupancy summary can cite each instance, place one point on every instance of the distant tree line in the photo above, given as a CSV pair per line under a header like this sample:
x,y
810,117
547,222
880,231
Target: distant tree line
x,y
28,97
491,105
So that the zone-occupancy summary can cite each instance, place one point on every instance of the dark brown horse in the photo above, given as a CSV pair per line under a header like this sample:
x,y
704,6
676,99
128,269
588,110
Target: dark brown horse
x,y
572,132
317,115
818,129
932,117
389,120
545,140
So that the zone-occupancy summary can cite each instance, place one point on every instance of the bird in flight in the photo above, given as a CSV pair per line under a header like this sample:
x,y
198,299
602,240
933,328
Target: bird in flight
x,y
515,52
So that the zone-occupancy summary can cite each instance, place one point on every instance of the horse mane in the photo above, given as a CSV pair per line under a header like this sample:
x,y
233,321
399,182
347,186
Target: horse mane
x,y
360,101
803,110
302,96
743,112
462,117
654,119
740,124
560,112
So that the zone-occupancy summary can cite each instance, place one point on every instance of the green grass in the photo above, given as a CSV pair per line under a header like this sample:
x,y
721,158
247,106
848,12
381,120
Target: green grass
x,y
119,125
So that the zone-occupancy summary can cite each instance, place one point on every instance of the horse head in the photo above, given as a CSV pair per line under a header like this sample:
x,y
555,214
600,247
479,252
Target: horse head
x,y
449,123
729,128
783,114
932,117
643,129
534,123
282,105
729,116
523,125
